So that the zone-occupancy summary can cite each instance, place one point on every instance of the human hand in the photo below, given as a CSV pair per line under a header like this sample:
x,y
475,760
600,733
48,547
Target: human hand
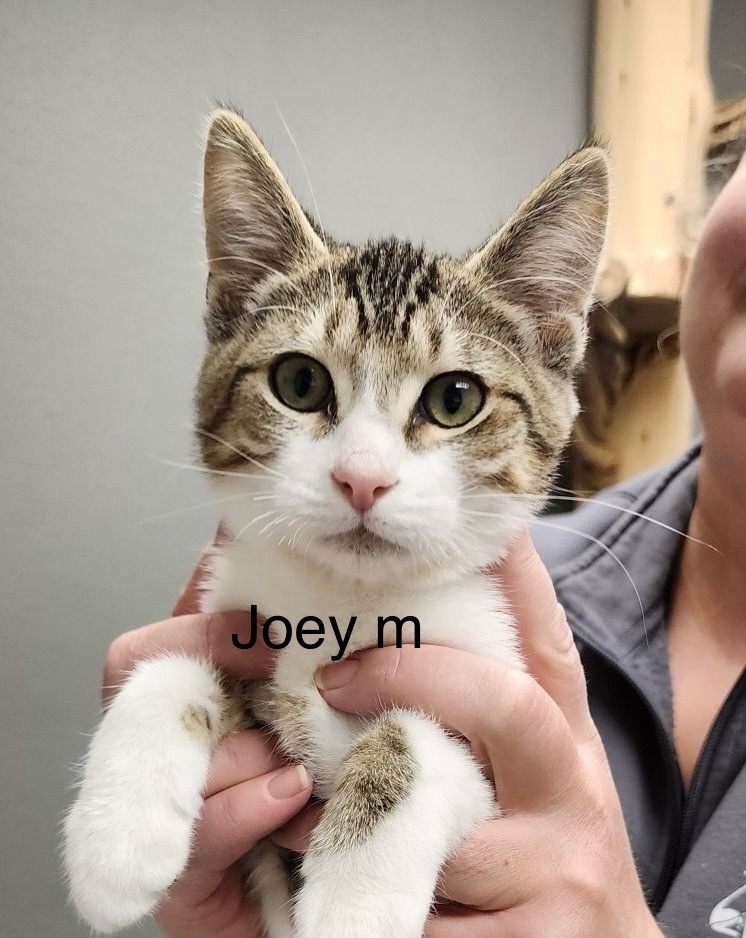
x,y
250,792
559,861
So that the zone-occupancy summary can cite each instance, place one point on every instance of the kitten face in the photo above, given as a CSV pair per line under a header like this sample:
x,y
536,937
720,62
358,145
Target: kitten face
x,y
321,393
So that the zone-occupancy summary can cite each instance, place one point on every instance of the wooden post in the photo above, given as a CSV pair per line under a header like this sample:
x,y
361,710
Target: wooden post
x,y
652,102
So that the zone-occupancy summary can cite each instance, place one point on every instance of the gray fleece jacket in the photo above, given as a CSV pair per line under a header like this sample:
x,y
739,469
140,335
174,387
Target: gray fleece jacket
x,y
690,848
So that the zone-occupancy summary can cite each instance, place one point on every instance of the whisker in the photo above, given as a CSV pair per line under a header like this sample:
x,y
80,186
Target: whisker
x,y
261,309
505,348
210,504
267,514
573,283
610,552
310,541
271,524
561,488
447,297
587,537
238,452
289,533
248,315
207,470
244,259
294,538
605,504
471,299
479,335
313,197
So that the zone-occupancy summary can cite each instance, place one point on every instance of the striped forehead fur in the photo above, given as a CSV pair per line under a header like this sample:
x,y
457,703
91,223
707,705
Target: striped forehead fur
x,y
390,312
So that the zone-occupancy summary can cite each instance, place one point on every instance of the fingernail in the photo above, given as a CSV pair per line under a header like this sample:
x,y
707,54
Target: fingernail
x,y
287,783
336,675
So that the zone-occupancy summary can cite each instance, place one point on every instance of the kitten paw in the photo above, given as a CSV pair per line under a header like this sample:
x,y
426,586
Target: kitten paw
x,y
340,899
128,835
341,920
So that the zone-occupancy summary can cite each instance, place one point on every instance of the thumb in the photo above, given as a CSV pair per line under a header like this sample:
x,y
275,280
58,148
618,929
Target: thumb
x,y
546,639
190,598
234,819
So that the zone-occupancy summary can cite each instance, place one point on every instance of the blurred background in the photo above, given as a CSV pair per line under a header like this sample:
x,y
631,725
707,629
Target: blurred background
x,y
426,118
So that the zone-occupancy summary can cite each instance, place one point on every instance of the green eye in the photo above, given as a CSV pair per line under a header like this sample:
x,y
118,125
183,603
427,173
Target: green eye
x,y
453,399
301,382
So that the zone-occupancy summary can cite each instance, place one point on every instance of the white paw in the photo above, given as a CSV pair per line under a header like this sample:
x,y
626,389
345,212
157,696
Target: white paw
x,y
333,916
382,886
342,897
128,835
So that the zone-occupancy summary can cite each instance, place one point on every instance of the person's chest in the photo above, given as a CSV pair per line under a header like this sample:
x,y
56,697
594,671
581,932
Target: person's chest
x,y
703,672
702,676
690,846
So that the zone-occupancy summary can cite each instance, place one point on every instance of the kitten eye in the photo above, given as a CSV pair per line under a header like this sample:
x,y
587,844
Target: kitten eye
x,y
301,382
452,399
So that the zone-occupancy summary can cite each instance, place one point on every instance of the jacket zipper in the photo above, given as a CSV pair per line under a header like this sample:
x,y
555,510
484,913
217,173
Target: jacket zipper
x,y
701,771
685,807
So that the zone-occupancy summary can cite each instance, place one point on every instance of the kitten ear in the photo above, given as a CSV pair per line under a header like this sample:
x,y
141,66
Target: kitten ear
x,y
254,225
545,258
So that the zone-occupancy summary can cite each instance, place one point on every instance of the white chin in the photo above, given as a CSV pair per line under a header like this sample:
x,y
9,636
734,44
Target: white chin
x,y
368,558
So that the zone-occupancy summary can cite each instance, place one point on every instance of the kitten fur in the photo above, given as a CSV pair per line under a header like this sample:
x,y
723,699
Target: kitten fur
x,y
363,507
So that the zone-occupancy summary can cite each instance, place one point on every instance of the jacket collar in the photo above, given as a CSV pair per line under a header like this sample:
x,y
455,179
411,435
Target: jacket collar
x,y
616,590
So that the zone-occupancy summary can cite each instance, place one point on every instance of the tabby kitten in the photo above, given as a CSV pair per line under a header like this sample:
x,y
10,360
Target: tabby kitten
x,y
387,402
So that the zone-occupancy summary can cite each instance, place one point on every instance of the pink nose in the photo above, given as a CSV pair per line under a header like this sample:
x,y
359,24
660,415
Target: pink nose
x,y
363,480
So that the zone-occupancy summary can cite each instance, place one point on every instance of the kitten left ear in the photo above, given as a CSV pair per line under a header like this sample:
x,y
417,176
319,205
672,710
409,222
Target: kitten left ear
x,y
545,258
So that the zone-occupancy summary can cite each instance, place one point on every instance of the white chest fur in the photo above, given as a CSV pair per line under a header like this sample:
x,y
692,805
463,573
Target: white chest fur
x,y
468,613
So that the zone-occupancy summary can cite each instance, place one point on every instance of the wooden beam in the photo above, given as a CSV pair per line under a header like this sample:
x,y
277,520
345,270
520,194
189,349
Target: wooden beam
x,y
652,102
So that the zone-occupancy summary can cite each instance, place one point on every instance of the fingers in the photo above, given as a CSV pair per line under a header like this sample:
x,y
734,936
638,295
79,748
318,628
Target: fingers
x,y
495,868
546,639
296,834
465,923
189,599
498,710
233,820
200,635
217,906
241,757
210,897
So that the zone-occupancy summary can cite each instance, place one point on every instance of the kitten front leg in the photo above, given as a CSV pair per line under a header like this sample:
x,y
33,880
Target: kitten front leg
x,y
129,833
407,794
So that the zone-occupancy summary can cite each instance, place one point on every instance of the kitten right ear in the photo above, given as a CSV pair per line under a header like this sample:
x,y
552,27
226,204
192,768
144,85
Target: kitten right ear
x,y
545,259
254,226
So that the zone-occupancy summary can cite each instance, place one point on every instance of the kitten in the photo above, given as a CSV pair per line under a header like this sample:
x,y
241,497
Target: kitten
x,y
386,402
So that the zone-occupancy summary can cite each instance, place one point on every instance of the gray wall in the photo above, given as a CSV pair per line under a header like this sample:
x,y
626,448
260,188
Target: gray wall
x,y
428,118
728,47
424,117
